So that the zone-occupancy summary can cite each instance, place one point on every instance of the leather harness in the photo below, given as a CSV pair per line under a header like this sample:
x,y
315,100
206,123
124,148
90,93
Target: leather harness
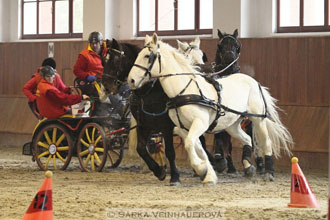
x,y
181,100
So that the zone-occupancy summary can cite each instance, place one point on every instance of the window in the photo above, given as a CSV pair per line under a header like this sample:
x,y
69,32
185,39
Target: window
x,y
174,17
44,19
303,16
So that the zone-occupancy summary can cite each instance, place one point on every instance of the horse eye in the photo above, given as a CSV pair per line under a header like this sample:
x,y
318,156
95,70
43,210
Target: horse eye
x,y
147,56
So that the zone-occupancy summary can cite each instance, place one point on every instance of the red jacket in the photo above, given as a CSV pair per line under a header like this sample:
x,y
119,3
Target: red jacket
x,y
30,88
51,102
89,63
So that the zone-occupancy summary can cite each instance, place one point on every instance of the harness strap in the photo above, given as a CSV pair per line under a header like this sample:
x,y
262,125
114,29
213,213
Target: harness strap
x,y
182,100
218,88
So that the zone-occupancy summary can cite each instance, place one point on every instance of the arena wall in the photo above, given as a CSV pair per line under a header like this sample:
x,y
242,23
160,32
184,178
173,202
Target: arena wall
x,y
296,70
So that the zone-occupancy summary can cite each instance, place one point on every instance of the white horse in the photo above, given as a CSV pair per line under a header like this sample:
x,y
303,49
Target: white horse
x,y
240,93
191,50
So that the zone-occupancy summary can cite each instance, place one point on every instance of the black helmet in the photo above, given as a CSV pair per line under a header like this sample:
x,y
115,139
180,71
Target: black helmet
x,y
47,70
49,62
95,37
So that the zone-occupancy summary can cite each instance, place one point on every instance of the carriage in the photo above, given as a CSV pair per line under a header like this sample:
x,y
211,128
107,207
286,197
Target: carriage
x,y
89,136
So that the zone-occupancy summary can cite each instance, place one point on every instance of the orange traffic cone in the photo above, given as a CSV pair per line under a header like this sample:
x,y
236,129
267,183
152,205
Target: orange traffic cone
x,y
301,193
42,205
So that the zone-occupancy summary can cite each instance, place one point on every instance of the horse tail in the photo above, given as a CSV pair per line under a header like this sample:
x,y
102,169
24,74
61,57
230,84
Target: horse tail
x,y
278,133
132,140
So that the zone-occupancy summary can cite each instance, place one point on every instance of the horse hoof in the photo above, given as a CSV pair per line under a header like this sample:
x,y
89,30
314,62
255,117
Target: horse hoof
x,y
260,171
220,166
162,175
269,177
220,163
231,170
250,171
209,184
175,183
204,175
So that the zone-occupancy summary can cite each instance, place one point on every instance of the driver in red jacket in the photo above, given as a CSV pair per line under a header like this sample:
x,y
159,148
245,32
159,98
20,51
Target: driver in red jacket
x,y
53,103
30,87
89,66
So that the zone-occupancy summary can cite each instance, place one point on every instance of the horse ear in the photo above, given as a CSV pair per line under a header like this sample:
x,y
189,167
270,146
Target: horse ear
x,y
108,43
235,34
220,35
114,44
197,41
180,45
154,39
147,39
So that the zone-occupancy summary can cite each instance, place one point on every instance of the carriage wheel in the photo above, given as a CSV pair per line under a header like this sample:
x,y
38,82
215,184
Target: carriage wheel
x,y
52,147
92,148
116,150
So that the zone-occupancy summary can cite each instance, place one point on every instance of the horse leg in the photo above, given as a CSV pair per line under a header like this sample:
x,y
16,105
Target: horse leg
x,y
170,154
263,138
259,155
230,164
197,156
236,131
220,161
260,162
209,155
143,136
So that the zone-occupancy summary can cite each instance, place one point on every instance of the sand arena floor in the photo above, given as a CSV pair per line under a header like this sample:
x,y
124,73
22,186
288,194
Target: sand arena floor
x,y
79,195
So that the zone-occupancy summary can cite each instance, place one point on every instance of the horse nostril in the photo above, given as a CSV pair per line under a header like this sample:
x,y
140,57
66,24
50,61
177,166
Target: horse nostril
x,y
132,81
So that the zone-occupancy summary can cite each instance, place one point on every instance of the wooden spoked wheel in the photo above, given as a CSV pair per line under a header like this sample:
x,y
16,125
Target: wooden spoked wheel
x,y
116,150
52,147
92,148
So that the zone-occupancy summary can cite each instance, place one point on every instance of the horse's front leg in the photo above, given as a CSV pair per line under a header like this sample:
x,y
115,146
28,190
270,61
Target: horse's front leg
x,y
170,154
143,135
198,158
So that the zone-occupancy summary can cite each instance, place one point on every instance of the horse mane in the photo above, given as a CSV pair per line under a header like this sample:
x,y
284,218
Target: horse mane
x,y
180,58
131,47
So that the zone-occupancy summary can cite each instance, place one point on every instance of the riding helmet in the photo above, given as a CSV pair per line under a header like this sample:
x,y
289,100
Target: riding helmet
x,y
95,37
47,70
49,62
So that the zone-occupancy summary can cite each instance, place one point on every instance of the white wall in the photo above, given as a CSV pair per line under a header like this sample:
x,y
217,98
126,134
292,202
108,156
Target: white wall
x,y
94,17
117,18
4,20
257,18
226,16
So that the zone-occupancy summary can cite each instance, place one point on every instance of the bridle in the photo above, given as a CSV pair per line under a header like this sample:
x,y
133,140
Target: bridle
x,y
187,51
238,50
152,59
117,82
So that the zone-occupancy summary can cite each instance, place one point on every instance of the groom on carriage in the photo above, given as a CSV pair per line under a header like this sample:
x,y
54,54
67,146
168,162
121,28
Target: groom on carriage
x,y
89,68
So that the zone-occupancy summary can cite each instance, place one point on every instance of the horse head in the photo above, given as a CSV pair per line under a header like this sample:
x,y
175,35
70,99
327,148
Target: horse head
x,y
114,68
192,51
155,60
229,48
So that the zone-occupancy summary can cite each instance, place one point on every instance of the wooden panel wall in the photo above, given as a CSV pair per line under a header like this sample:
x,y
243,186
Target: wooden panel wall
x,y
19,61
296,70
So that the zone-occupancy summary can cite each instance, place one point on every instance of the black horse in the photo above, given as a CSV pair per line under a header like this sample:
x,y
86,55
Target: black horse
x,y
119,60
226,63
147,106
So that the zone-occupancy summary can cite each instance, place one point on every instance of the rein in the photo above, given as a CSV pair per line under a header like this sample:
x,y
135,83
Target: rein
x,y
214,65
181,100
224,69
